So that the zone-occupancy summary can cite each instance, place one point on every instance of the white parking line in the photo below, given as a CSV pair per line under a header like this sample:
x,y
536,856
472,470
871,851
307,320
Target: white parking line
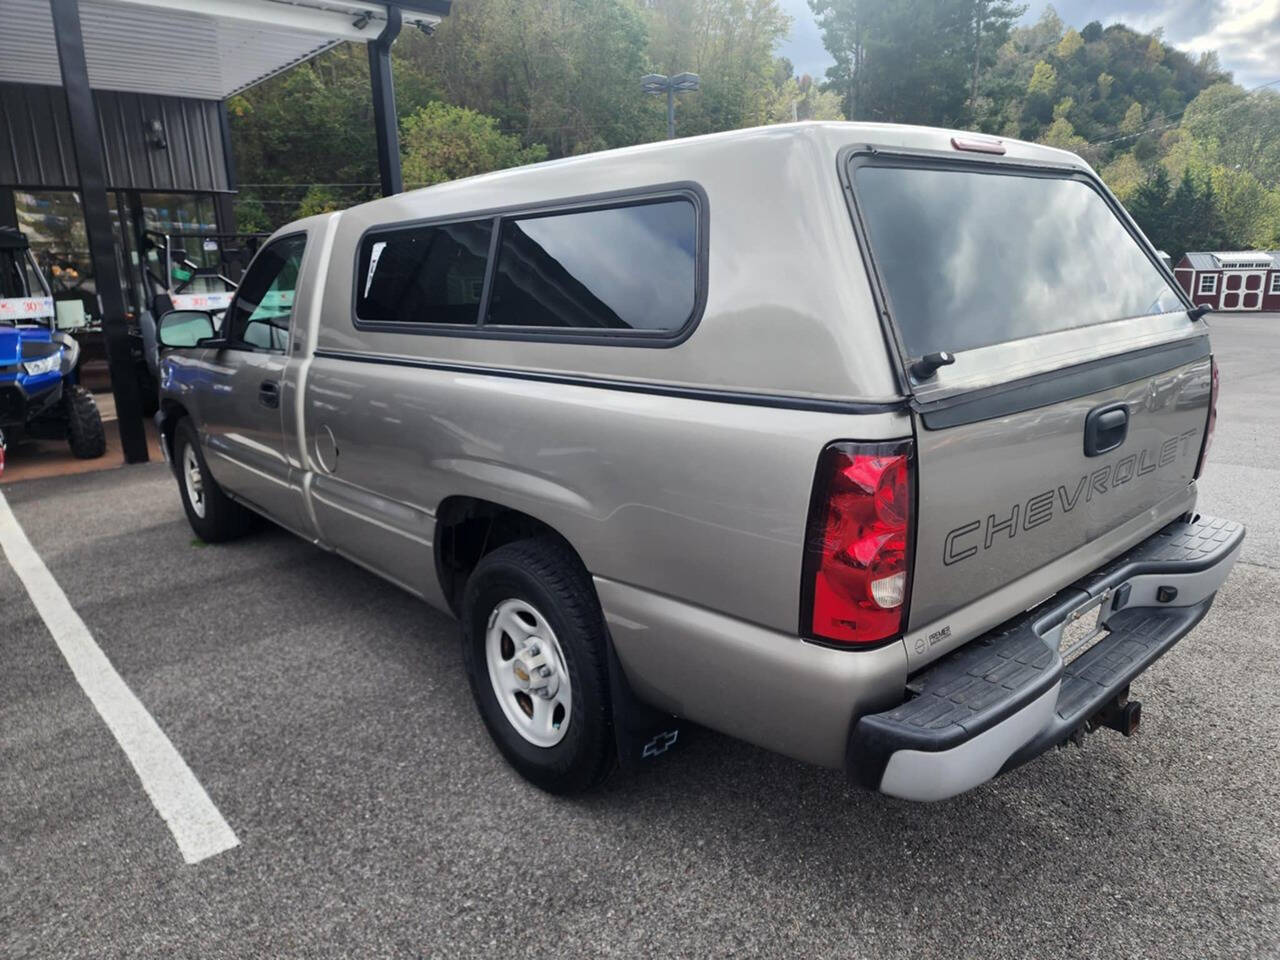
x,y
195,822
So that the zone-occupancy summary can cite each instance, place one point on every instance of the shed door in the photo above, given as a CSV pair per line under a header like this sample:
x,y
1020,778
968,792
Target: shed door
x,y
1242,290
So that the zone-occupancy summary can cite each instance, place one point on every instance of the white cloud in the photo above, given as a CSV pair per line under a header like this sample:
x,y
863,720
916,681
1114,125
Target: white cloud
x,y
1247,38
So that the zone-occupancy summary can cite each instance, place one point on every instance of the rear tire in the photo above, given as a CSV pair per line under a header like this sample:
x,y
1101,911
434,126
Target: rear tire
x,y
85,434
214,516
542,584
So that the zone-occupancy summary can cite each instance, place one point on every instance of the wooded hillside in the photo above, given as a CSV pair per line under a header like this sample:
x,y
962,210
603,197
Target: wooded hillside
x,y
505,82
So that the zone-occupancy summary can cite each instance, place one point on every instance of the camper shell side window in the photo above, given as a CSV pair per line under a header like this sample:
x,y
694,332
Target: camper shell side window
x,y
621,269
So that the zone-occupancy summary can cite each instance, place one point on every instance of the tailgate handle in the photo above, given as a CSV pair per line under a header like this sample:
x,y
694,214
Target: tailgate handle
x,y
1105,429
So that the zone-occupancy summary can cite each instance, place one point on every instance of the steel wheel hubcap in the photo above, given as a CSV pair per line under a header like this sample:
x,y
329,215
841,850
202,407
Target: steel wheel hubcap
x,y
194,481
528,672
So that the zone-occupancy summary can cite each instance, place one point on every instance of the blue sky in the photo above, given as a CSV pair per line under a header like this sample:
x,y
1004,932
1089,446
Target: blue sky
x,y
1246,33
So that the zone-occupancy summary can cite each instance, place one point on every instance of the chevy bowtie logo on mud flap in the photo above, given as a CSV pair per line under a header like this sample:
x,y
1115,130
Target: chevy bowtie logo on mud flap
x,y
661,743
965,541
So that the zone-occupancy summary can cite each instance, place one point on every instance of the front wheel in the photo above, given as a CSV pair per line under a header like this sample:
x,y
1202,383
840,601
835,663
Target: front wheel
x,y
213,515
534,645
85,433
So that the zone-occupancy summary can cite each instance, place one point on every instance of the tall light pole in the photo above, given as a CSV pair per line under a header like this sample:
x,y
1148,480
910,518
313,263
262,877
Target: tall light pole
x,y
656,83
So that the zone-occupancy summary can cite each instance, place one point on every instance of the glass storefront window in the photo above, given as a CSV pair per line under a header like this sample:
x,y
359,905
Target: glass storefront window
x,y
53,222
179,212
175,214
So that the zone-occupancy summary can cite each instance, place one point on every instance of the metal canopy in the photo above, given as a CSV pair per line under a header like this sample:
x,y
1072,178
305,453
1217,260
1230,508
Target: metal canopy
x,y
207,49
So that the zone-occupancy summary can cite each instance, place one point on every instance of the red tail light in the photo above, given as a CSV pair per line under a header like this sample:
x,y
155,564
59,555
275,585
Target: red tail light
x,y
1213,415
857,559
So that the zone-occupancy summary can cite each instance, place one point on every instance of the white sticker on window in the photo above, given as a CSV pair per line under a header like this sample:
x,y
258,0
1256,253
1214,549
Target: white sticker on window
x,y
374,254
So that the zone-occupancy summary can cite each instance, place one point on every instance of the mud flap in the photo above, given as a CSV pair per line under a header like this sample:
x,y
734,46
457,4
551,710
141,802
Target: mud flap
x,y
643,733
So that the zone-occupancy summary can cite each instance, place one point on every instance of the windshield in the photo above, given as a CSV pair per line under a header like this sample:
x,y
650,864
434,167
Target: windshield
x,y
974,258
22,294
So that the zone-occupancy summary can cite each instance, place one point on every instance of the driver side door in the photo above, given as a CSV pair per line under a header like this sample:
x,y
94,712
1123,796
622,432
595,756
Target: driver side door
x,y
243,419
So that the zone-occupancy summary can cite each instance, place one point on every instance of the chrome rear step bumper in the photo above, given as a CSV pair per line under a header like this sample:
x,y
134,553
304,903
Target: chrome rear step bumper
x,y
1007,696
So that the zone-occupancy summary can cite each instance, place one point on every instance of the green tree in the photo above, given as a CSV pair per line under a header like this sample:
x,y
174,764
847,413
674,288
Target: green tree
x,y
1070,44
1182,218
912,61
1132,118
1155,51
799,98
441,142
729,44
992,20
1062,134
843,24
320,199
1246,209
1124,175
1243,129
564,73
312,124
1149,206
251,215
1043,79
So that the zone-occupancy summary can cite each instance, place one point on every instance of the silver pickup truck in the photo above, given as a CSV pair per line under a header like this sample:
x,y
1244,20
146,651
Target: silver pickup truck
x,y
873,445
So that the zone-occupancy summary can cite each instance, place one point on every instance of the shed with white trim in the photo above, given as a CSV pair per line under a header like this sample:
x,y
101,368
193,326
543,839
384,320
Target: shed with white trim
x,y
1238,280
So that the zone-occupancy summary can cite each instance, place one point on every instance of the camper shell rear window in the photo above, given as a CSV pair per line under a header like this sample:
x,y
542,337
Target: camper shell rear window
x,y
971,255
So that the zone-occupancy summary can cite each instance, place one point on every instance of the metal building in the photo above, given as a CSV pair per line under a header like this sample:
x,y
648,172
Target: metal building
x,y
114,127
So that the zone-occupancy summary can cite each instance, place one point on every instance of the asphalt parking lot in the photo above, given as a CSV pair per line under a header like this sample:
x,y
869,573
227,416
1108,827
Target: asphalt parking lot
x,y
327,716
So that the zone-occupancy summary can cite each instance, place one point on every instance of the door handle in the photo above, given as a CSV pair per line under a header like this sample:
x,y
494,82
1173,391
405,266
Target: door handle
x,y
1105,429
269,394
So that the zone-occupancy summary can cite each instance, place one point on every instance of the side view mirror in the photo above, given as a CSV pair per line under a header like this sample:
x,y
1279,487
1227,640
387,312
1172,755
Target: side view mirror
x,y
185,328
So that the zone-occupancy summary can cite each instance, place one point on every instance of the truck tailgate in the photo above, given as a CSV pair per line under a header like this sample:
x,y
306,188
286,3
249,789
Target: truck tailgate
x,y
1060,390
1005,495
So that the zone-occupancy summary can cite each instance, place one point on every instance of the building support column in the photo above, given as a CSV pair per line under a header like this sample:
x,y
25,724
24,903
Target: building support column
x,y
91,163
8,211
224,203
386,126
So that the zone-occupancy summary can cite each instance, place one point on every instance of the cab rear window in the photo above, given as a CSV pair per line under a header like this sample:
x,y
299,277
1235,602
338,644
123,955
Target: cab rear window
x,y
424,274
968,259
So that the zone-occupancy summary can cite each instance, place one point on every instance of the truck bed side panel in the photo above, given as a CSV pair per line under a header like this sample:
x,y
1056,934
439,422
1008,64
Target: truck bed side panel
x,y
670,494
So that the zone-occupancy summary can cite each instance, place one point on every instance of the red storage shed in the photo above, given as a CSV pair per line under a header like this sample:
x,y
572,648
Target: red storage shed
x,y
1240,280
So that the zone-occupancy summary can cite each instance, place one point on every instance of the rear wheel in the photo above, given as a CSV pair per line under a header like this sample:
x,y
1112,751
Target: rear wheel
x,y
213,515
85,434
535,653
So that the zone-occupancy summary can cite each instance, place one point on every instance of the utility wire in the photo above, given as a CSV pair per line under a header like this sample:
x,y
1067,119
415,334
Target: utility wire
x,y
307,185
1173,122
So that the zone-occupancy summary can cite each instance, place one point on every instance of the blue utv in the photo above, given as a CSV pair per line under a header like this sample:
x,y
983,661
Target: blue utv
x,y
39,395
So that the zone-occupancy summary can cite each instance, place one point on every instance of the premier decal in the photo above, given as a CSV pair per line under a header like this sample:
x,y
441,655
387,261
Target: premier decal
x,y
999,526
